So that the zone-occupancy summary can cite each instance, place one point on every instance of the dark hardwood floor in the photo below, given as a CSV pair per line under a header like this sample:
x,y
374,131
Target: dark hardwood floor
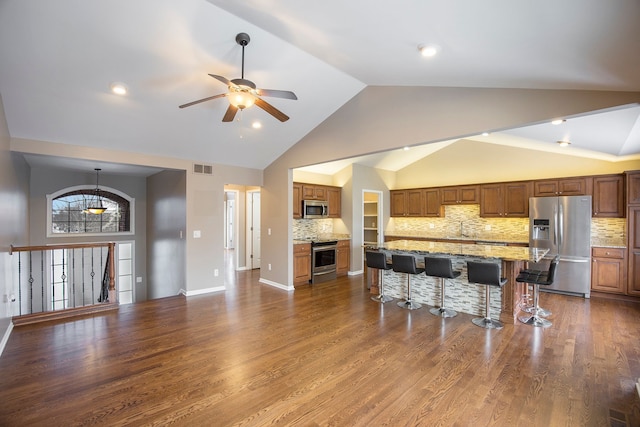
x,y
322,355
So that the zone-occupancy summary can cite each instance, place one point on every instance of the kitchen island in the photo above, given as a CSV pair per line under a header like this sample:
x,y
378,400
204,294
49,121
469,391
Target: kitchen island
x,y
462,296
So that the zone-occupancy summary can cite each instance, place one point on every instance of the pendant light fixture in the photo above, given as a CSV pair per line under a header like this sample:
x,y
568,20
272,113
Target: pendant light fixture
x,y
95,204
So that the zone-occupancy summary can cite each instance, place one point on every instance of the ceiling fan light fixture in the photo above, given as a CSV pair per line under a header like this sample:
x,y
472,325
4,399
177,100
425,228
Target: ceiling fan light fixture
x,y
240,99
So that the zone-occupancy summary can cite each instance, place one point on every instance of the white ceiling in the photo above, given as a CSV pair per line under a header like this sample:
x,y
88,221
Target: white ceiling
x,y
59,58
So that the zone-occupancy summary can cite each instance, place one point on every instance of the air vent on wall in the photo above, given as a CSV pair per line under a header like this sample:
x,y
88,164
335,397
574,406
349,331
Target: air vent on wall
x,y
203,169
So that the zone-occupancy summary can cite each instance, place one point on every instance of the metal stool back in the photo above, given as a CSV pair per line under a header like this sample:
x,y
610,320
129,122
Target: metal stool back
x,y
487,274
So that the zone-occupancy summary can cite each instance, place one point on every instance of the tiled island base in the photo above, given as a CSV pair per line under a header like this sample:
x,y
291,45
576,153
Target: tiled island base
x,y
461,295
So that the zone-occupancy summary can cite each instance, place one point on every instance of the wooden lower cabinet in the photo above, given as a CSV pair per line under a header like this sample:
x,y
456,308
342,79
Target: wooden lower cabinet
x,y
301,263
633,223
342,257
608,270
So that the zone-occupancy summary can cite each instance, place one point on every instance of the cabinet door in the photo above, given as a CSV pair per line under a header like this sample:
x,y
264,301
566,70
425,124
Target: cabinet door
x,y
431,200
573,186
491,200
334,196
342,257
633,188
414,203
297,200
301,263
633,218
313,192
608,196
397,202
449,196
545,188
469,195
608,270
516,199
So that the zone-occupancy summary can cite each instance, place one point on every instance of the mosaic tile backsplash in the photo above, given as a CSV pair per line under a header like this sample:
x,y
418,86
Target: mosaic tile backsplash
x,y
465,220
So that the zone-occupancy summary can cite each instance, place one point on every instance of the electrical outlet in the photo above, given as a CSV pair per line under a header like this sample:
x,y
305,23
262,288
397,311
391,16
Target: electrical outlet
x,y
269,267
431,225
487,227
216,272
269,231
526,227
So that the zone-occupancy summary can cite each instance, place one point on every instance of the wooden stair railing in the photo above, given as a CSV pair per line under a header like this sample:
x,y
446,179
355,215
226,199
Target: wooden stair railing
x,y
108,276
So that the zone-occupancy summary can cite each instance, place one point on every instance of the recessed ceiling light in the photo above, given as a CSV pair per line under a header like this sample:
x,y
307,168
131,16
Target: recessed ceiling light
x,y
256,125
558,121
118,88
485,133
406,148
563,143
428,50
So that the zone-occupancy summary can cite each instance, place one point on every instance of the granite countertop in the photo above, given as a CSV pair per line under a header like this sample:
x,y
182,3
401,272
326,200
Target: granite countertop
x,y
322,238
508,253
495,238
609,243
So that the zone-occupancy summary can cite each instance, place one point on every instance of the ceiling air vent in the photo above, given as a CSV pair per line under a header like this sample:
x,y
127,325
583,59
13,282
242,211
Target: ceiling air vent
x,y
203,169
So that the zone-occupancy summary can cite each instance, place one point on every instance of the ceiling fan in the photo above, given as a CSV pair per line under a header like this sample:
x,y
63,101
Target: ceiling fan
x,y
243,93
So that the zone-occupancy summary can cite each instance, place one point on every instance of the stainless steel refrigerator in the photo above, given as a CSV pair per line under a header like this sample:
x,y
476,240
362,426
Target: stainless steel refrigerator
x,y
563,225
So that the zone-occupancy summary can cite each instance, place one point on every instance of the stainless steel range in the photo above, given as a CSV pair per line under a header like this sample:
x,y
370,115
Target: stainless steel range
x,y
323,260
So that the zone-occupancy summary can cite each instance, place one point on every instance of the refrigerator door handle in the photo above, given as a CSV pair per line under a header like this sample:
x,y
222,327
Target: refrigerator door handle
x,y
561,226
555,225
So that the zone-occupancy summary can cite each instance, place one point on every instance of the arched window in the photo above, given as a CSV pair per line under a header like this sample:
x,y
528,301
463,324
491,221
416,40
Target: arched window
x,y
68,212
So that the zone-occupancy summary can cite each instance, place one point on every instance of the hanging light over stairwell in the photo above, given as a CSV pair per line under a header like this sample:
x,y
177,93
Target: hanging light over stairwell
x,y
95,203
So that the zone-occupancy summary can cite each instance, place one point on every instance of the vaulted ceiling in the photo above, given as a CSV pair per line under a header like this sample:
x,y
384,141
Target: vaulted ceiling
x,y
58,60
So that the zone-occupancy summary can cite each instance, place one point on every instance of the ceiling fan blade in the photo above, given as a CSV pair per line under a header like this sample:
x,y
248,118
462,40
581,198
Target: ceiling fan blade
x,y
277,93
223,80
230,114
271,110
189,104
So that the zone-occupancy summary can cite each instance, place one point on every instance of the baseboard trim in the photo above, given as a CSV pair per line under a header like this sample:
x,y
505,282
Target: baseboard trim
x,y
277,285
47,316
202,291
355,273
5,338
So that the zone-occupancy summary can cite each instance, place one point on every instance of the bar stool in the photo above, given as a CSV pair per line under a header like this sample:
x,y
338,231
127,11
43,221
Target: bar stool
x,y
406,264
442,268
537,278
487,274
378,260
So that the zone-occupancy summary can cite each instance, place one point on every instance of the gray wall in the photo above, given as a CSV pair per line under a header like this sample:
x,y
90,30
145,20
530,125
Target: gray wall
x,y
14,227
46,180
166,233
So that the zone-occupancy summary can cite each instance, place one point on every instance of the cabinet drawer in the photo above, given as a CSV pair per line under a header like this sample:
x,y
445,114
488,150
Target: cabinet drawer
x,y
608,253
344,244
302,248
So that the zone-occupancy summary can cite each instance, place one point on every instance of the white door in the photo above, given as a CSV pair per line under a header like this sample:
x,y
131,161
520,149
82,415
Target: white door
x,y
254,224
230,209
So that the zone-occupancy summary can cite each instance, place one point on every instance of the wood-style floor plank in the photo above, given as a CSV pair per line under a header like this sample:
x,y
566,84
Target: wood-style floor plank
x,y
322,355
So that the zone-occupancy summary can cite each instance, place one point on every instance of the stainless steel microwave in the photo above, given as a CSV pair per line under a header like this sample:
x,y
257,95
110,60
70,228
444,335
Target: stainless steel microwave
x,y
314,209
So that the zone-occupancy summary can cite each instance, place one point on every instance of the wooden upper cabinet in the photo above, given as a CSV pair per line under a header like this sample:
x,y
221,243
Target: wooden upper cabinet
x,y
334,197
406,202
302,191
516,199
633,188
608,196
313,192
460,195
491,200
507,200
431,202
562,187
297,200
